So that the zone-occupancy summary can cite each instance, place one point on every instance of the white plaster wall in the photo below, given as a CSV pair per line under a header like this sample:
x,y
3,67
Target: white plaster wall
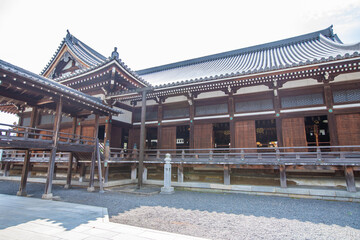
x,y
301,83
211,94
253,89
176,99
347,77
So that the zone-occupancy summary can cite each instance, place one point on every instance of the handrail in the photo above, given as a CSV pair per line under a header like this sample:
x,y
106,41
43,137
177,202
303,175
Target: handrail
x,y
333,154
21,132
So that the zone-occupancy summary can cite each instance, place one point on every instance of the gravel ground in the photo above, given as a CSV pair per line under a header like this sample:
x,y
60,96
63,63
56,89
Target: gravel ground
x,y
219,216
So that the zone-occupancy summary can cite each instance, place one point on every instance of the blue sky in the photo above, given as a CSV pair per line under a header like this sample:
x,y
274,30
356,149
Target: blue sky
x,y
151,33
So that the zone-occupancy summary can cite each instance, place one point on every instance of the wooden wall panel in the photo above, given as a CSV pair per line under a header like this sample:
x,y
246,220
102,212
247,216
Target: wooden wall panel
x,y
203,136
87,131
348,129
293,132
65,130
245,134
168,137
115,136
134,137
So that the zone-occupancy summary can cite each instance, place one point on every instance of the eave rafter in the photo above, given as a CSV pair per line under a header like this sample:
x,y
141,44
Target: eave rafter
x,y
270,79
110,76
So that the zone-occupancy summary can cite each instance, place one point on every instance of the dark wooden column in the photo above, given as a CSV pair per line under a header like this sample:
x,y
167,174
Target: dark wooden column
x,y
51,166
91,187
107,139
328,96
159,128
71,156
231,108
108,126
350,180
142,139
278,117
192,115
27,164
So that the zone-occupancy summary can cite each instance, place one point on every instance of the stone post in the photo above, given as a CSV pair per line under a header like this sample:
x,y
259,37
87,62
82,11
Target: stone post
x,y
167,189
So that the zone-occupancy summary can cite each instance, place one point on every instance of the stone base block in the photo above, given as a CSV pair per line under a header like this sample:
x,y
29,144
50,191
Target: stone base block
x,y
67,186
21,194
91,189
168,190
48,196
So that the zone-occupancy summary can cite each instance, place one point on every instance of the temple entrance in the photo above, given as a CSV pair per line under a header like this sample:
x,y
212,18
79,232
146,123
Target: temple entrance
x,y
221,133
317,131
266,133
101,133
151,138
182,137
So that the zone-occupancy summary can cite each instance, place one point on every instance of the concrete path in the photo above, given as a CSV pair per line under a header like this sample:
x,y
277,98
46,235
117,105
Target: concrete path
x,y
29,218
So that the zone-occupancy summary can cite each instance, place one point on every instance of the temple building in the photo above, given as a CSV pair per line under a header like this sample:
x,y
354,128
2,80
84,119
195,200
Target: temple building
x,y
300,94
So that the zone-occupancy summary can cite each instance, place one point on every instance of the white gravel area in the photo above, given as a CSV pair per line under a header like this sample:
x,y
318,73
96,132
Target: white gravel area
x,y
214,225
218,215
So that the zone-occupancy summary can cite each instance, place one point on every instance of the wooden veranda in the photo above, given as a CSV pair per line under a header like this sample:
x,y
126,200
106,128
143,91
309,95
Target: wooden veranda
x,y
27,91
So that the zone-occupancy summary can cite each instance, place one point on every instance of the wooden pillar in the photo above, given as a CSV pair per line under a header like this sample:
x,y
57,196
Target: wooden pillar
x,y
71,156
142,139
91,187
283,176
107,139
278,119
106,161
231,108
159,128
82,172
226,175
50,173
27,164
350,180
328,96
180,173
6,169
192,129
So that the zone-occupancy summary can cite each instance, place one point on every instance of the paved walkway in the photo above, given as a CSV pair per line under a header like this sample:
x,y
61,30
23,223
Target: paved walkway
x,y
29,218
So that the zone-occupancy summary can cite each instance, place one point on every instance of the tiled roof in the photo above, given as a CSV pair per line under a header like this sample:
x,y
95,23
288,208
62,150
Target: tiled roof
x,y
80,49
42,81
320,46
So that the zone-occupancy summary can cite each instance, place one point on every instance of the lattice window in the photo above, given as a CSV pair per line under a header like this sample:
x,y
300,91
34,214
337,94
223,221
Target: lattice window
x,y
349,95
175,113
151,114
257,105
49,119
211,109
26,121
302,100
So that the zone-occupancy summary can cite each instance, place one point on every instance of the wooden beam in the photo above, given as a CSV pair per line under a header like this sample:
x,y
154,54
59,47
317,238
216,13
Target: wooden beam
x,y
27,165
71,157
50,173
350,180
91,187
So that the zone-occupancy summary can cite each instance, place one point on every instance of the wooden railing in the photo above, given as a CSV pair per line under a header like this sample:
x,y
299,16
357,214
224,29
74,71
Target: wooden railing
x,y
326,155
18,156
11,132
